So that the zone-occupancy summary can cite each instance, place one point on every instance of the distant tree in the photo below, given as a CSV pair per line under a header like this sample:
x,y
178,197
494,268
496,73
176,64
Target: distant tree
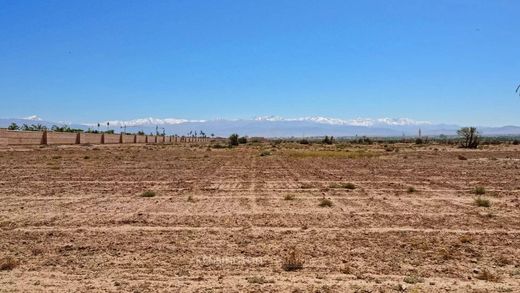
x,y
65,128
13,126
242,140
212,135
469,137
140,132
233,139
328,140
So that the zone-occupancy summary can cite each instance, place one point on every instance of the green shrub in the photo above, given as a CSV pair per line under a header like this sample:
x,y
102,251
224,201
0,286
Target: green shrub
x,y
242,140
233,139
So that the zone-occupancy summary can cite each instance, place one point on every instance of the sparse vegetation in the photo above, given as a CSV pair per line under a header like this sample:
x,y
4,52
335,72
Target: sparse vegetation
x,y
462,158
479,190
258,280
242,140
328,140
265,153
357,154
413,279
8,263
190,198
292,261
233,139
289,197
13,126
487,275
482,202
325,202
148,193
348,185
411,189
469,137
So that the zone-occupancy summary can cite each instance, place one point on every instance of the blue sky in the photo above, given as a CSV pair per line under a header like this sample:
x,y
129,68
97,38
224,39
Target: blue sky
x,y
86,61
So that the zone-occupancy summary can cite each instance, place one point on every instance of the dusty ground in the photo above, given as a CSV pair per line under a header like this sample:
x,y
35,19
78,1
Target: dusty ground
x,y
72,219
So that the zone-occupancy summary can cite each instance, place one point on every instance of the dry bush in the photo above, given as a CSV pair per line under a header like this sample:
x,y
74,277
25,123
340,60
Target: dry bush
x,y
465,239
411,189
293,261
413,279
325,202
191,199
488,276
479,190
462,158
306,186
289,197
482,202
348,185
265,153
8,263
148,193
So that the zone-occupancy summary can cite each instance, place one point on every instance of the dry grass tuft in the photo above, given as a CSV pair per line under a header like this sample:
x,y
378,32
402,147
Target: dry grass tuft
x,y
413,279
292,261
8,263
348,185
259,280
479,190
482,202
325,202
289,197
411,189
488,276
148,193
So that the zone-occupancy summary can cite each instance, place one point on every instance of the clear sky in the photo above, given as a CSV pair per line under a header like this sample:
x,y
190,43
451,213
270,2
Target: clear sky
x,y
447,61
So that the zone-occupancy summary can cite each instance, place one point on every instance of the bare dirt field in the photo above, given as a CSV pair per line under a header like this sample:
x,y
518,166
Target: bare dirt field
x,y
72,219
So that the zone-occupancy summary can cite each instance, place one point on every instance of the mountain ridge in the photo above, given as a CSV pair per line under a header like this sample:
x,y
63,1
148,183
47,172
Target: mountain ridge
x,y
275,126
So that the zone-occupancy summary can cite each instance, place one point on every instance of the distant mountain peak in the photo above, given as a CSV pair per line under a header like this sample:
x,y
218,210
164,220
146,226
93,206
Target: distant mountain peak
x,y
350,122
33,118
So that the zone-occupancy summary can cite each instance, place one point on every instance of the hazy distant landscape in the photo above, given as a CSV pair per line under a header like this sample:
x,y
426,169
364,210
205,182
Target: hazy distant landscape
x,y
279,127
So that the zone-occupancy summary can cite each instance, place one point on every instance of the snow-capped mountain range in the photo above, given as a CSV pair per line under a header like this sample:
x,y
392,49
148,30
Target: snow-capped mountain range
x,y
275,126
316,119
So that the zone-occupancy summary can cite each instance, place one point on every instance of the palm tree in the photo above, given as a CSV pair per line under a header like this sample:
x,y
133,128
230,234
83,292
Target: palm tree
x,y
13,126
